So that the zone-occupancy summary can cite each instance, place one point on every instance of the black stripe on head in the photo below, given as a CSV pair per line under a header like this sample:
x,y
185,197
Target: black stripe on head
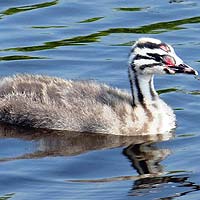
x,y
139,57
157,57
133,66
148,45
142,67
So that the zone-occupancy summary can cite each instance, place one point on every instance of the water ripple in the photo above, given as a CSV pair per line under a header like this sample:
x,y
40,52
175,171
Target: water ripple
x,y
155,28
15,10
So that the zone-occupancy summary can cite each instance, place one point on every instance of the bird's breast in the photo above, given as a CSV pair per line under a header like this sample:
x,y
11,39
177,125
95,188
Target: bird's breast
x,y
154,118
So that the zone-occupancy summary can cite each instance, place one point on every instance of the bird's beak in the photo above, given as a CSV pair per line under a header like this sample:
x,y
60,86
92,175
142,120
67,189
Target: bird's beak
x,y
184,69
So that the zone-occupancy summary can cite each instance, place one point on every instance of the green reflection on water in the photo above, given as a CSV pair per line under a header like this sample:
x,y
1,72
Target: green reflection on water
x,y
95,37
197,92
186,135
48,27
7,196
15,10
178,109
167,90
19,57
131,9
178,171
91,20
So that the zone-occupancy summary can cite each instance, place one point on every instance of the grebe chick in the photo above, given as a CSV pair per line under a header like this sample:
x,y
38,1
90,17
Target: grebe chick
x,y
86,106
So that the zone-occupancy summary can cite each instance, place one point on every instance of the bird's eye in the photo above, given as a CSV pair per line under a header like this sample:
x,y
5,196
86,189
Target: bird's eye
x,y
169,60
165,48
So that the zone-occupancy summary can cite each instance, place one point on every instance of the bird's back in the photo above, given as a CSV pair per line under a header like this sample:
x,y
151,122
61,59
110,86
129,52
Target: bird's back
x,y
53,103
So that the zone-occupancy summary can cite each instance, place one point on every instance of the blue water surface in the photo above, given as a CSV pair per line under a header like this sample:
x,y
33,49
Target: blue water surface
x,y
76,39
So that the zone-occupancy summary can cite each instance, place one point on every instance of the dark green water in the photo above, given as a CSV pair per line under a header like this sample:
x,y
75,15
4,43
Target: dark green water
x,y
91,40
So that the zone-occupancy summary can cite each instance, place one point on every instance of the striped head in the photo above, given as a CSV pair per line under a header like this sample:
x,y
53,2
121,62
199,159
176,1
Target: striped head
x,y
151,56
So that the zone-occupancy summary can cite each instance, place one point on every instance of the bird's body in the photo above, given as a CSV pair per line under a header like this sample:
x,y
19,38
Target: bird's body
x,y
86,106
83,106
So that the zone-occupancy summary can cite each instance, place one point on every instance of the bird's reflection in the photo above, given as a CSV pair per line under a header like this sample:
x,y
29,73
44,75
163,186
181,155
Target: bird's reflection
x,y
146,158
143,153
65,143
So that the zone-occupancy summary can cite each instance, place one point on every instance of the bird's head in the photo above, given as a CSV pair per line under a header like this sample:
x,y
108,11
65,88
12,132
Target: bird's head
x,y
151,56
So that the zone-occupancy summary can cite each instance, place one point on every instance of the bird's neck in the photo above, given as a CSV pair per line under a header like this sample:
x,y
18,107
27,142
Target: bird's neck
x,y
142,88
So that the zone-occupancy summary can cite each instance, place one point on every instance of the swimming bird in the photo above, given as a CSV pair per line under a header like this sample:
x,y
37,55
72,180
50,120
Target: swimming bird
x,y
85,106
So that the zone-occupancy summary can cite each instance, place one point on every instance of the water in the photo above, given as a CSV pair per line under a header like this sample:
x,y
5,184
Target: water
x,y
91,40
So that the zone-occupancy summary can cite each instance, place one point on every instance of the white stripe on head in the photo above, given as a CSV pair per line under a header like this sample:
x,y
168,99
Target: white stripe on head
x,y
145,62
146,39
144,51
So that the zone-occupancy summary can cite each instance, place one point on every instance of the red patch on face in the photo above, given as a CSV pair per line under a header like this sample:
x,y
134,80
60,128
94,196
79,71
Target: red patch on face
x,y
169,61
164,47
